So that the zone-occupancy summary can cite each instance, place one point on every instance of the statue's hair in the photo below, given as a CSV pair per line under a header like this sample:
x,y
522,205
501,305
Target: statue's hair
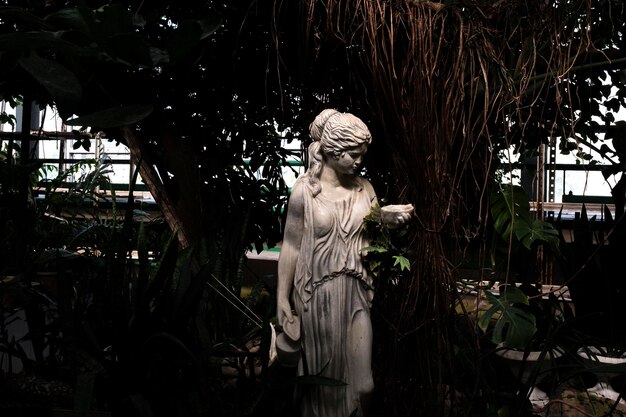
x,y
333,132
343,131
316,128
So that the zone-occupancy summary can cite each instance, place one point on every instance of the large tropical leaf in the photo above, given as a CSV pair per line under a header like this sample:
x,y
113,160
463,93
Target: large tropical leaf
x,y
513,219
511,211
188,34
512,325
62,84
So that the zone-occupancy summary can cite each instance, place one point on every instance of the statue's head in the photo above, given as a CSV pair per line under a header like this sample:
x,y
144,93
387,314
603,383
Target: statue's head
x,y
333,133
339,132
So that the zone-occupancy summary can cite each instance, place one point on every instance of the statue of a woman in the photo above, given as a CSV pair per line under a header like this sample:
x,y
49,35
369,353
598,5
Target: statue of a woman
x,y
324,290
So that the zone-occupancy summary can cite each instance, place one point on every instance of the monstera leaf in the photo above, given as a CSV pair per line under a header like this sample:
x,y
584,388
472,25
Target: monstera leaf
x,y
512,219
512,325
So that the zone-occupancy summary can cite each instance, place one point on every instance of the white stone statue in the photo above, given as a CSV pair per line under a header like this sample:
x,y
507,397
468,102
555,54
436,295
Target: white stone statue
x,y
324,291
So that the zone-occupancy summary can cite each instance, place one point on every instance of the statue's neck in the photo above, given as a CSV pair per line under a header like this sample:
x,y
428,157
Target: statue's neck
x,y
336,186
332,178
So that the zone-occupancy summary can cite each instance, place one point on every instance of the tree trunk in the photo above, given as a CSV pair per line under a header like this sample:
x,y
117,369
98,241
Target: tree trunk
x,y
157,188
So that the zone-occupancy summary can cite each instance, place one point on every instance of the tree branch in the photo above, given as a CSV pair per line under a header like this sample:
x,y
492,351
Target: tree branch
x,y
155,185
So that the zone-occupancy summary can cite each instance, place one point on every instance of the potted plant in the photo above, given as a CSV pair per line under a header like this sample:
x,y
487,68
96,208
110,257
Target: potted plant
x,y
520,322
524,327
606,364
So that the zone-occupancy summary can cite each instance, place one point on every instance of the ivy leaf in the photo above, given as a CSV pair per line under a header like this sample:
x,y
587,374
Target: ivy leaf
x,y
374,267
611,170
374,249
403,262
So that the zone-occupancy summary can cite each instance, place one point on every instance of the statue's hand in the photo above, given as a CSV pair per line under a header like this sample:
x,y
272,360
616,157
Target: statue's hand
x,y
283,312
396,215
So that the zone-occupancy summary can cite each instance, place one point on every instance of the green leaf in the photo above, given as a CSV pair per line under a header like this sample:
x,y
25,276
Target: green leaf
x,y
513,325
210,25
158,56
113,116
611,170
23,15
184,39
129,48
521,229
62,84
27,41
188,34
114,19
515,328
374,249
510,210
71,18
403,262
541,231
503,412
374,267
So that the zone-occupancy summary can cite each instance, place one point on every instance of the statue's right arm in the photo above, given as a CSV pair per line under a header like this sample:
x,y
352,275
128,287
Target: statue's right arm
x,y
289,252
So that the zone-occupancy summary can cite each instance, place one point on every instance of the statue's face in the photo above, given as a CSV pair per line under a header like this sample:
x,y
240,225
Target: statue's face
x,y
349,161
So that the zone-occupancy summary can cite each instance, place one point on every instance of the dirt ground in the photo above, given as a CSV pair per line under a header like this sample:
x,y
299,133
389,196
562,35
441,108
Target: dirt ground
x,y
580,404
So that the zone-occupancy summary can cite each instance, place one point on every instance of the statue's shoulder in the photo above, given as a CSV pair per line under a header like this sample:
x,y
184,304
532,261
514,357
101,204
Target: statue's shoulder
x,y
367,187
299,191
300,185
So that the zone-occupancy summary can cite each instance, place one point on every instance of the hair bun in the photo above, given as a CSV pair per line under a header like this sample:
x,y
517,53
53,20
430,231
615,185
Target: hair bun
x,y
317,126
